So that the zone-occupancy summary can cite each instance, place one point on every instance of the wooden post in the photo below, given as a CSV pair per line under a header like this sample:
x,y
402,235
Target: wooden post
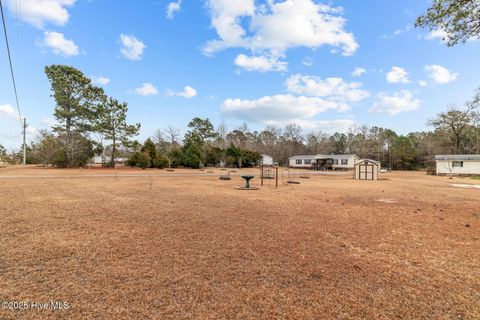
x,y
276,177
261,175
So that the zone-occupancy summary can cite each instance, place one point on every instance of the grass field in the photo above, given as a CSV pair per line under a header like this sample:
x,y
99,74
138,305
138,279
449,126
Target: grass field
x,y
189,246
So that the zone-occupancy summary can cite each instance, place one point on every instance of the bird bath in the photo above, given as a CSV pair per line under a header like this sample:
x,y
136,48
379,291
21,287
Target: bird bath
x,y
247,184
247,181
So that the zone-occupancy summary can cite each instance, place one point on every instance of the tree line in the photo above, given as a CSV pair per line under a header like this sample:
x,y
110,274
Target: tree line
x,y
91,123
86,119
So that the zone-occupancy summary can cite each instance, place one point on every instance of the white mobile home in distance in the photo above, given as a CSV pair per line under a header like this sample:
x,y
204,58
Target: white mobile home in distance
x,y
459,164
267,160
324,162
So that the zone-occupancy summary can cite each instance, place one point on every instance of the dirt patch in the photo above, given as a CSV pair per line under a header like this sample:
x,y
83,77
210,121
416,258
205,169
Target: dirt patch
x,y
466,186
386,200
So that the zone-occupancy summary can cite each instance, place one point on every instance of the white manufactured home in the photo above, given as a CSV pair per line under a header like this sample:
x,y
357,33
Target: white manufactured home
x,y
459,164
101,160
324,162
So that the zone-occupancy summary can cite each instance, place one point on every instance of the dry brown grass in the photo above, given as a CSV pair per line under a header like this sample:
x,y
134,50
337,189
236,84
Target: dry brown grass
x,y
193,247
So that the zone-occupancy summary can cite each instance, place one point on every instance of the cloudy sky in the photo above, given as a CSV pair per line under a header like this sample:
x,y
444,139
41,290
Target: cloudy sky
x,y
322,64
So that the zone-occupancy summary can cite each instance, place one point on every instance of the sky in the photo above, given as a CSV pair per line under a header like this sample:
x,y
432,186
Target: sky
x,y
324,65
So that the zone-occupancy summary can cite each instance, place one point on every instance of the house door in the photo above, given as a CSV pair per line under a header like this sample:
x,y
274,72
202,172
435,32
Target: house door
x,y
366,172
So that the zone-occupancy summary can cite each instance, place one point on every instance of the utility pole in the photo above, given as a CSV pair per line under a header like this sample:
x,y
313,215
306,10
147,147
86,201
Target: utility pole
x,y
24,141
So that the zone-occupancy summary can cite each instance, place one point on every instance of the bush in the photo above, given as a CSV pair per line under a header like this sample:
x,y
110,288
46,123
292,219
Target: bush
x,y
250,158
175,157
150,148
144,160
191,156
161,161
133,160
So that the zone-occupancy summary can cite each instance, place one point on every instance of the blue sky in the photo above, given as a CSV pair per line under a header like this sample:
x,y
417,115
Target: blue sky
x,y
260,62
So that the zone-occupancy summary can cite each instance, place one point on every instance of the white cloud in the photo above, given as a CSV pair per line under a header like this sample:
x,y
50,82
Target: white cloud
x,y
442,36
423,83
398,75
308,61
440,74
226,16
188,93
398,32
7,110
146,89
401,101
280,108
31,131
59,45
331,88
172,8
327,126
437,34
260,63
272,28
358,72
48,122
132,48
40,12
100,80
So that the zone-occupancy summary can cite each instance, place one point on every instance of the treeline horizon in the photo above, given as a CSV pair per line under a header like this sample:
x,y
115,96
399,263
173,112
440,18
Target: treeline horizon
x,y
91,123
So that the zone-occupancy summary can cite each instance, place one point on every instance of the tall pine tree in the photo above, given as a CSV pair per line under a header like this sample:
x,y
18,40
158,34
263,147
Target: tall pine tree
x,y
77,102
112,123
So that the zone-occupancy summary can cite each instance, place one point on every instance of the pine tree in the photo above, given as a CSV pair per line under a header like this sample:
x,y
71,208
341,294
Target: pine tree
x,y
149,147
77,102
112,123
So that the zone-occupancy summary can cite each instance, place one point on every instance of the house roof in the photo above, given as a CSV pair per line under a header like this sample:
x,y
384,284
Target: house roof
x,y
322,156
458,157
302,157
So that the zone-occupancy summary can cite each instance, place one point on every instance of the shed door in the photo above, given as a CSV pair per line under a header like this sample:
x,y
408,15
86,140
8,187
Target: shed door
x,y
366,172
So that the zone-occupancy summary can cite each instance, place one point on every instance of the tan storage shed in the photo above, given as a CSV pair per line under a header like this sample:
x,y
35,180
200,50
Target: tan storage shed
x,y
366,169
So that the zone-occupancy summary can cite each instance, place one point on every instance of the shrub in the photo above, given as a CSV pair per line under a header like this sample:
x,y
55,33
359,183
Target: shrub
x,y
133,160
161,161
144,160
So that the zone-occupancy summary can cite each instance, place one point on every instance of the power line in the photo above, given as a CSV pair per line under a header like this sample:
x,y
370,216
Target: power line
x,y
23,123
10,63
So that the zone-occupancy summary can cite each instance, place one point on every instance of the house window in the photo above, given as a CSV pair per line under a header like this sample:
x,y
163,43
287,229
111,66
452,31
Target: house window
x,y
458,164
298,161
344,162
308,161
335,161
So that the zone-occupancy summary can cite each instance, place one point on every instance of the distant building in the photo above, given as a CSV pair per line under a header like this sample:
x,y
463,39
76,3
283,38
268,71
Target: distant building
x,y
459,164
104,160
267,160
324,162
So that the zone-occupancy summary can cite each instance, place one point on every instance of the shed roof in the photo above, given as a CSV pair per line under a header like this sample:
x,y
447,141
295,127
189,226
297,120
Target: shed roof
x,y
458,157
368,160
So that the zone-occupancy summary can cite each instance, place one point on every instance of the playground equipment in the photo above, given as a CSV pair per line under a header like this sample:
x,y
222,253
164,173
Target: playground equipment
x,y
292,178
225,177
269,172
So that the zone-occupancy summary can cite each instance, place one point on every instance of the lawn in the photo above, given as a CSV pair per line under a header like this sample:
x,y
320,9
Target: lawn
x,y
151,244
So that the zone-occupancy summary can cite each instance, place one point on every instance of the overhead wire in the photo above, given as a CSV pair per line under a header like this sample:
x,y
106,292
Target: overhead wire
x,y
11,64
